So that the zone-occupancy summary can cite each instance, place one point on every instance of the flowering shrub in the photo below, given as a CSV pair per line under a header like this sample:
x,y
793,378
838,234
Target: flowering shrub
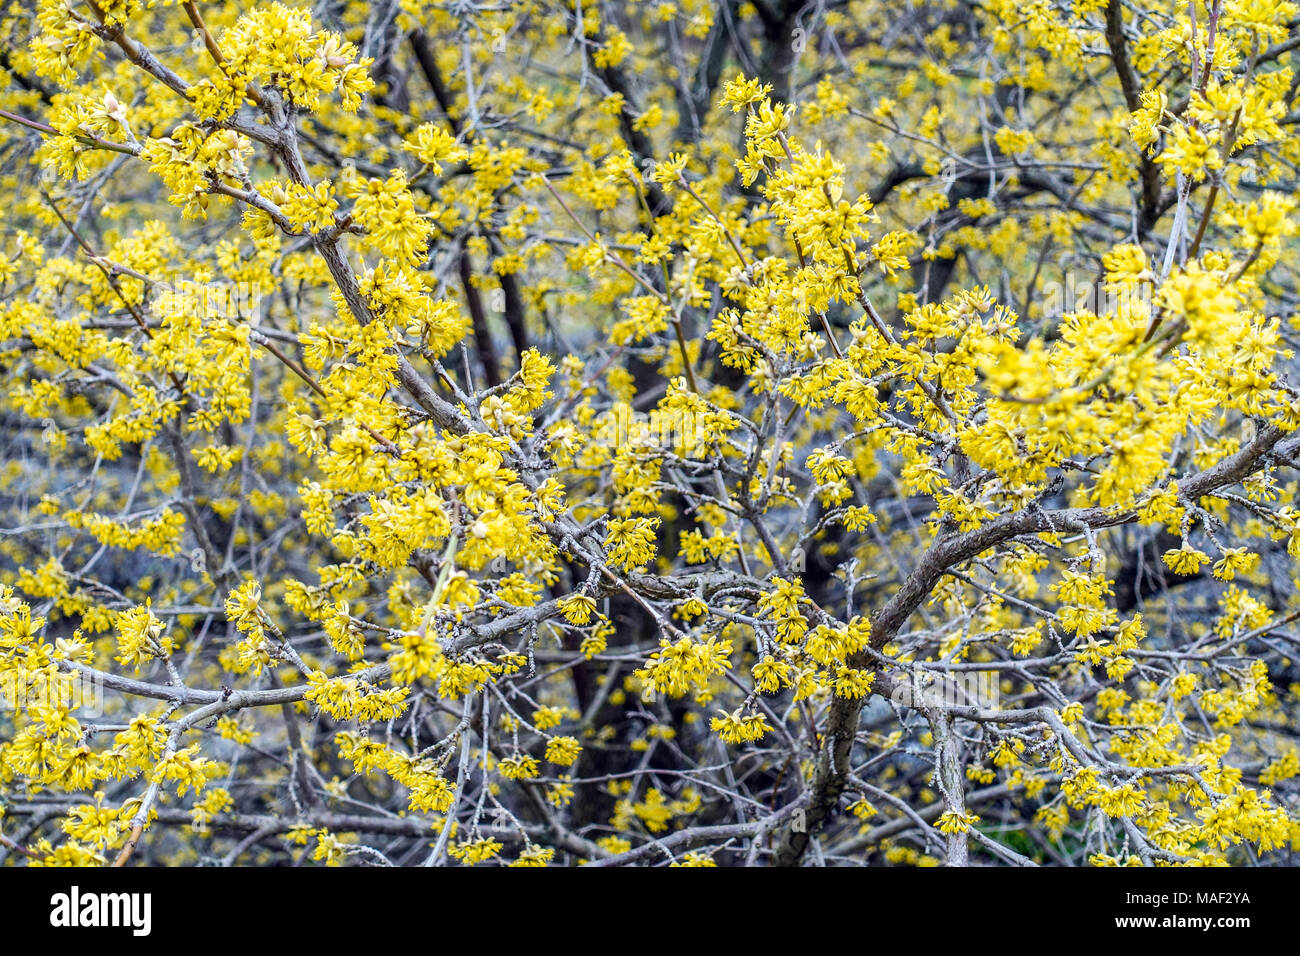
x,y
639,433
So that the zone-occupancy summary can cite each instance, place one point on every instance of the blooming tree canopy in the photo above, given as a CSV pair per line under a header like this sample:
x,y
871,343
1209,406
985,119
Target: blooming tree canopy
x,y
676,432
